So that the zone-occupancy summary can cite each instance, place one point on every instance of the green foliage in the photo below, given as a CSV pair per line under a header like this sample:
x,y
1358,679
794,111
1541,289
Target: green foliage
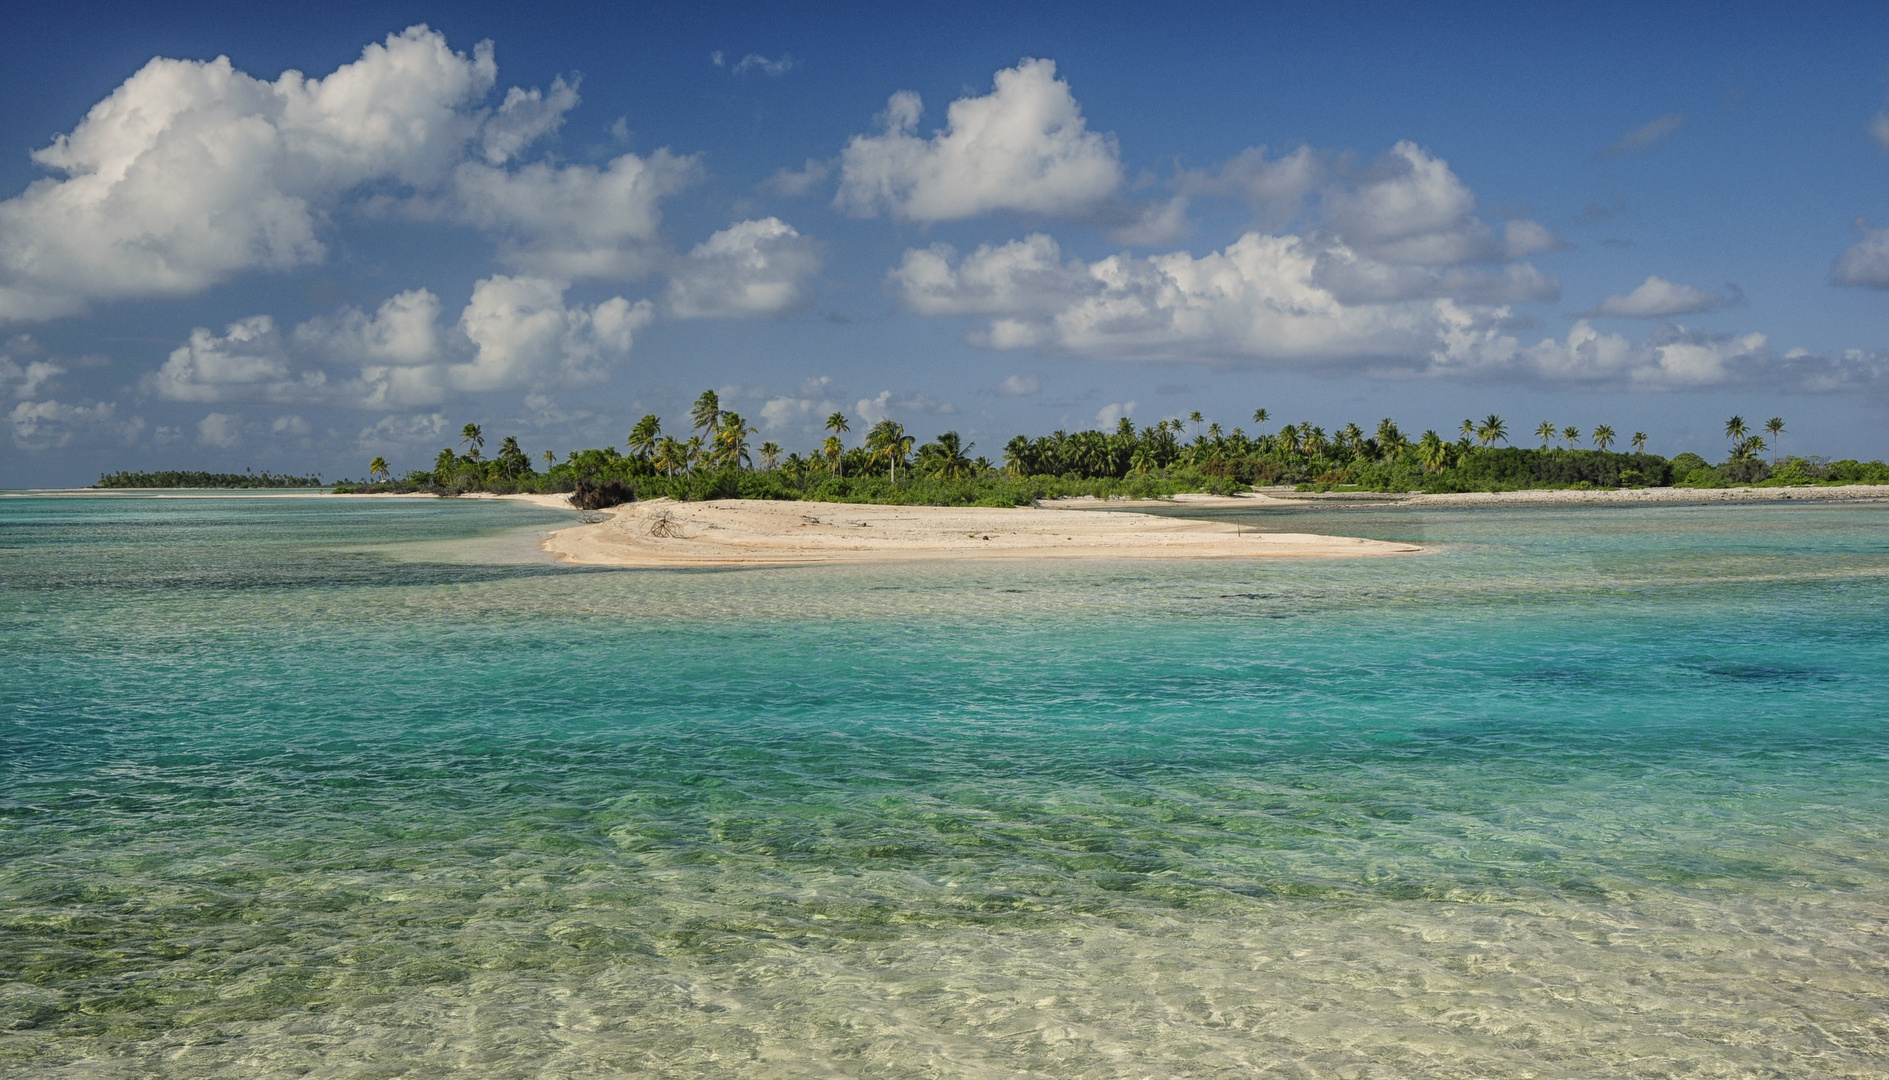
x,y
1796,470
1168,458
1513,468
189,479
1850,471
1743,469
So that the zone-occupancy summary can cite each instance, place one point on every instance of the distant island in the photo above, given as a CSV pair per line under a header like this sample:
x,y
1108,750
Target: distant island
x,y
719,460
192,479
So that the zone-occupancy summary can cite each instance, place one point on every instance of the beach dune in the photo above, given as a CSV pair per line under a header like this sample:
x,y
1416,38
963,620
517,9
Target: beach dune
x,y
733,532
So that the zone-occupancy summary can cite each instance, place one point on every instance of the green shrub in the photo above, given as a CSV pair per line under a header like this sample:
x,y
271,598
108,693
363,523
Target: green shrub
x,y
1850,471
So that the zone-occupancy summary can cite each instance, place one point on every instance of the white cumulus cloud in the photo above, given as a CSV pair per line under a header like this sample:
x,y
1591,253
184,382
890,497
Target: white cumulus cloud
x,y
48,425
794,183
523,333
1256,299
1658,298
1275,189
751,268
1410,208
402,430
247,360
220,430
524,117
1262,301
514,332
575,221
1671,357
24,380
810,401
1865,262
1023,147
192,171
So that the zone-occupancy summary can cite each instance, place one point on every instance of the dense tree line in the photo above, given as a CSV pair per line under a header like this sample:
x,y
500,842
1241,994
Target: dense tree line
x,y
188,479
717,457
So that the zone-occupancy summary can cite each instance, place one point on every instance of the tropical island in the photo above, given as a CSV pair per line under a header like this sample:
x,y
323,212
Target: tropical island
x,y
717,458
196,479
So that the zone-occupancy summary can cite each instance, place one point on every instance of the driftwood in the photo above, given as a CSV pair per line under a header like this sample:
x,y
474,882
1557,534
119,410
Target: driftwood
x,y
667,527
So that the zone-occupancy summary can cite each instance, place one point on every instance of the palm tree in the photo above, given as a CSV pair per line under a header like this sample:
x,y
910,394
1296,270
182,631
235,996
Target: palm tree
x,y
1195,419
1353,436
889,440
472,436
670,455
1571,435
377,467
1213,432
945,458
1492,431
692,452
706,415
1432,450
1775,426
1546,433
550,459
1289,438
1603,437
642,440
838,426
1016,454
1260,416
512,457
1387,435
1735,428
1639,442
731,440
1467,431
770,454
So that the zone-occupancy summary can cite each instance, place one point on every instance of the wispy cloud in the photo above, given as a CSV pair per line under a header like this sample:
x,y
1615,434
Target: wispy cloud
x,y
1644,137
754,62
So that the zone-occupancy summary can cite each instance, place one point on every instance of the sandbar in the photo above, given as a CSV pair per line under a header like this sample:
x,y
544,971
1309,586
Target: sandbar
x,y
738,532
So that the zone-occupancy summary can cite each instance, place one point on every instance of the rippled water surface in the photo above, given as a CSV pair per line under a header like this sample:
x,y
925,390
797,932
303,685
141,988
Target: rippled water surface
x,y
332,788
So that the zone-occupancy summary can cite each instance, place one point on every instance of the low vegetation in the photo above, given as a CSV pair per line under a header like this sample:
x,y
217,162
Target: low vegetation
x,y
718,459
186,479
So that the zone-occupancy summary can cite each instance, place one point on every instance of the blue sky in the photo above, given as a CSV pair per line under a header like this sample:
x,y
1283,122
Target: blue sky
x,y
995,219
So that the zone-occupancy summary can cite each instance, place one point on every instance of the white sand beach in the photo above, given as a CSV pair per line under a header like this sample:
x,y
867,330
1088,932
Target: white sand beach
x,y
731,532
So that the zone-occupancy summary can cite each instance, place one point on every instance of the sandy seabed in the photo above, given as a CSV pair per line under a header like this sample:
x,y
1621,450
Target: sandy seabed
x,y
736,532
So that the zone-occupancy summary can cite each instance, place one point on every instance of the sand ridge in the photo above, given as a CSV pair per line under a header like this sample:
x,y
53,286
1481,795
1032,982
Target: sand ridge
x,y
736,532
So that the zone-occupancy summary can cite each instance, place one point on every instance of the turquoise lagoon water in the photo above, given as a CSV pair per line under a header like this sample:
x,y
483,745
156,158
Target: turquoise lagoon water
x,y
333,788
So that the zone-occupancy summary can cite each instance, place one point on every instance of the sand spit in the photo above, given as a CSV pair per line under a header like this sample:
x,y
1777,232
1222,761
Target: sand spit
x,y
733,532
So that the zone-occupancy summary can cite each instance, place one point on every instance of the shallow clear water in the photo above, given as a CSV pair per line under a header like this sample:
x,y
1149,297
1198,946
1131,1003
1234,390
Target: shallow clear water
x,y
335,788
